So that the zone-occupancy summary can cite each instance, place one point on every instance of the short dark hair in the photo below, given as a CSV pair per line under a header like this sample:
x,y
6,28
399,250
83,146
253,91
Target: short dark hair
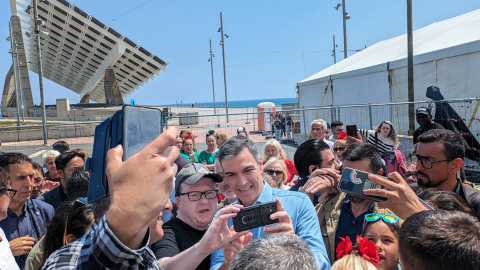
x,y
279,252
77,184
38,167
328,126
308,153
100,207
62,160
453,146
439,239
233,146
445,200
61,146
336,124
13,158
4,178
362,151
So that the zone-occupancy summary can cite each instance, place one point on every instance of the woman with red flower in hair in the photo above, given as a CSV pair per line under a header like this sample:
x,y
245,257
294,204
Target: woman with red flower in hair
x,y
364,256
187,149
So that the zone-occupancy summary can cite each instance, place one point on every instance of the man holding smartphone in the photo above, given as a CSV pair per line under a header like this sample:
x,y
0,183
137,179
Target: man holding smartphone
x,y
241,169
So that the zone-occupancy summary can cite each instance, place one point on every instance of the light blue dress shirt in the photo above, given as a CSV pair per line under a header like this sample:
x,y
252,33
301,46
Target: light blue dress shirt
x,y
304,219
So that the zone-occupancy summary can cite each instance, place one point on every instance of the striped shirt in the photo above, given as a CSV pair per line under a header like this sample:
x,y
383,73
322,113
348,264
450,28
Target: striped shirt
x,y
382,144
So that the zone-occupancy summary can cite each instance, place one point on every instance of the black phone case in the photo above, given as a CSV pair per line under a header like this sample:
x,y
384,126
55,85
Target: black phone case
x,y
355,181
352,130
254,216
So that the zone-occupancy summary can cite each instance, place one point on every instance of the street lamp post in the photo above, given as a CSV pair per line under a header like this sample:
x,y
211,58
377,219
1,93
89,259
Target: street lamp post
x,y
224,73
213,81
38,22
344,30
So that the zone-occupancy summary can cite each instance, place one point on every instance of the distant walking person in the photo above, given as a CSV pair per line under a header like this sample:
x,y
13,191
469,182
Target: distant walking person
x,y
288,125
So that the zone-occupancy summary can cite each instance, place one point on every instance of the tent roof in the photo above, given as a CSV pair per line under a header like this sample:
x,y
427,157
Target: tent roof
x,y
455,36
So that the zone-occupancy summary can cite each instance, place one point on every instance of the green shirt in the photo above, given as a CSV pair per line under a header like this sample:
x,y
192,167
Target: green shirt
x,y
206,157
188,157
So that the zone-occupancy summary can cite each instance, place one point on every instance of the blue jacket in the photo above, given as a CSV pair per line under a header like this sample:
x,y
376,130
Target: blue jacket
x,y
33,222
304,219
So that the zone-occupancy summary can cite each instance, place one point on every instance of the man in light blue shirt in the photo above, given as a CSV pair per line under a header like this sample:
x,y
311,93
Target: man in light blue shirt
x,y
241,170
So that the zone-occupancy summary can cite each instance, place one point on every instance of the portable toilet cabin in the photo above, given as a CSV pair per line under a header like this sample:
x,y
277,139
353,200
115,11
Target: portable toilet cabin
x,y
265,109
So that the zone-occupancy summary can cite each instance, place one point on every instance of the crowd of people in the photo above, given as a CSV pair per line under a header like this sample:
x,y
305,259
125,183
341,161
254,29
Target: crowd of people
x,y
171,207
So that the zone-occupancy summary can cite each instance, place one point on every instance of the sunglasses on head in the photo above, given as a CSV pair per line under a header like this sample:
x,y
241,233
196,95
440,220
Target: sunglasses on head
x,y
335,149
241,129
210,132
387,218
272,172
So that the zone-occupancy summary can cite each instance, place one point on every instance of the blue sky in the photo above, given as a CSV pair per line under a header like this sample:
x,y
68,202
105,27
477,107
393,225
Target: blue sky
x,y
271,46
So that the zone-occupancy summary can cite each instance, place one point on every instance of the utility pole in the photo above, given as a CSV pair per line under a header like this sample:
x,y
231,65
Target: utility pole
x,y
411,91
224,73
213,82
38,22
344,31
334,51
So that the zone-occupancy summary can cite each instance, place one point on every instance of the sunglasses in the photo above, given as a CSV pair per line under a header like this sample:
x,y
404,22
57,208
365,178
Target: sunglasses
x,y
335,149
241,129
210,132
10,192
387,218
272,172
77,204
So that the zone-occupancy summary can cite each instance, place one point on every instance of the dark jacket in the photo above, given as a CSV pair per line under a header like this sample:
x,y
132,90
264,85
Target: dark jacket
x,y
55,197
472,196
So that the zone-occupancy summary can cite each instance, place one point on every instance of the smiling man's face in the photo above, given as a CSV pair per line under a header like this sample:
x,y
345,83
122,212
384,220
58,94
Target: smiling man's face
x,y
244,175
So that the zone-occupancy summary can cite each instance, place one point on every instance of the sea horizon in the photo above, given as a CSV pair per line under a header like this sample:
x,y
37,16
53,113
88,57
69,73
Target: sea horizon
x,y
250,103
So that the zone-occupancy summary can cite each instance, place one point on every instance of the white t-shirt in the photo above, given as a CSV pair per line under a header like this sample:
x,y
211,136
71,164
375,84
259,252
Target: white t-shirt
x,y
7,261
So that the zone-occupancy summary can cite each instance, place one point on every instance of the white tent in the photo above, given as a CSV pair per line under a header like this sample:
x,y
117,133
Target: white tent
x,y
446,54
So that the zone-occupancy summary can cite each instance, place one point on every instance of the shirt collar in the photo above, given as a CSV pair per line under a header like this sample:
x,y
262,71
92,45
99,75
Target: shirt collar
x,y
457,190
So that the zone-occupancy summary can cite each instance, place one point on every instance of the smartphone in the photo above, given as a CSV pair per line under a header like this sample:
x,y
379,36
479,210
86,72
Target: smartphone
x,y
352,130
354,182
255,216
141,125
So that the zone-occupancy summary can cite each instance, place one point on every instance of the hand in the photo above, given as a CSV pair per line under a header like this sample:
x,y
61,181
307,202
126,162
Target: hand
x,y
325,180
49,185
284,224
192,156
140,187
231,250
22,245
400,197
218,234
352,140
290,184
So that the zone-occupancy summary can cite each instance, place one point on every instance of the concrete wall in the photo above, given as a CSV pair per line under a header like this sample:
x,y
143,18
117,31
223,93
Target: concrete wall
x,y
53,133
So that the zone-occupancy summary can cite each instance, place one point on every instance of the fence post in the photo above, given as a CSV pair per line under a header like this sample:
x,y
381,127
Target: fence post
x,y
338,113
304,124
370,115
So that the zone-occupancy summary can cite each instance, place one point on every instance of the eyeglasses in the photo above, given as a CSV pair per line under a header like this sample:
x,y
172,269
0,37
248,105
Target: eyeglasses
x,y
272,172
10,192
387,218
78,203
335,149
427,163
210,132
197,195
421,115
37,181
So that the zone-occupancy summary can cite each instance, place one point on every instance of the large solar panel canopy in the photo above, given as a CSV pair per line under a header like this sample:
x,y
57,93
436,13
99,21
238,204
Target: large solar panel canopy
x,y
77,49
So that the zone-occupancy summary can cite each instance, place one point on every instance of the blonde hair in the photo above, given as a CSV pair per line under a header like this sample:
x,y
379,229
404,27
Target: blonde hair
x,y
222,135
341,143
273,161
353,261
392,135
278,148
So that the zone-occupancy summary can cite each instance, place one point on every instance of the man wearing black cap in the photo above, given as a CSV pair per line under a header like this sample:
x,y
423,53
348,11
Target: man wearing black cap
x,y
424,119
186,240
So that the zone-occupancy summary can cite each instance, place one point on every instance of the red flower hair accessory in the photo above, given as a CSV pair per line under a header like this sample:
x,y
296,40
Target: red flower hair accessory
x,y
365,248
342,135
344,247
188,137
368,250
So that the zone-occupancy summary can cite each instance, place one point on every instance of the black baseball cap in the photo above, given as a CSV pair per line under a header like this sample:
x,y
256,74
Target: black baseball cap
x,y
191,173
423,110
